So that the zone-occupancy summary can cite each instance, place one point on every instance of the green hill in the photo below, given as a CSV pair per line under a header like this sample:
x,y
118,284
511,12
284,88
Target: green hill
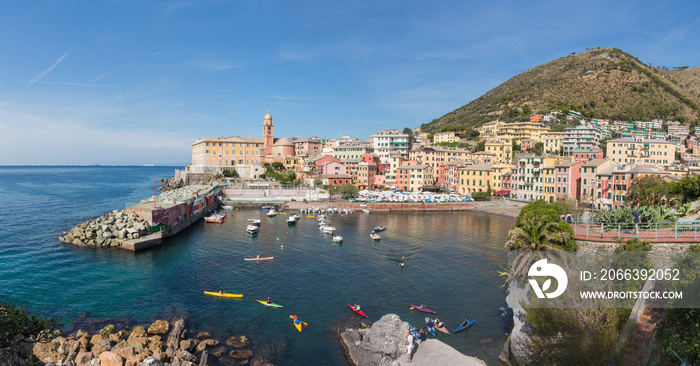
x,y
602,83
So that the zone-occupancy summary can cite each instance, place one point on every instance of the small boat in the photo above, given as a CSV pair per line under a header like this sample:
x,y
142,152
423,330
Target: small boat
x,y
227,207
255,222
414,332
417,307
443,329
337,238
259,258
430,329
327,229
265,207
217,218
252,229
297,322
272,304
366,211
293,219
271,213
379,228
222,295
462,327
358,311
375,236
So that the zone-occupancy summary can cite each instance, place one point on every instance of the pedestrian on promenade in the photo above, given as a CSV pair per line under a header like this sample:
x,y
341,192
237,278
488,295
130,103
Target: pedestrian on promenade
x,y
636,220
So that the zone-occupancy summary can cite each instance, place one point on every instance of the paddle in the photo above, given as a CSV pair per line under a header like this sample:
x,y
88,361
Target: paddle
x,y
295,318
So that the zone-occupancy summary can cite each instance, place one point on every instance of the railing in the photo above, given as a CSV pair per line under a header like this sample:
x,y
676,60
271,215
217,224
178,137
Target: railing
x,y
650,230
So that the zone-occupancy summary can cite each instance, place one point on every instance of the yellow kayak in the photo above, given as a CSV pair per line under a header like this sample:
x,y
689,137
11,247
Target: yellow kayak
x,y
297,322
222,295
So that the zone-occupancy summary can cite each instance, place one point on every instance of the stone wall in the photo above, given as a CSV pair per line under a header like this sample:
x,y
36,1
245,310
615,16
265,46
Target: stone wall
x,y
109,230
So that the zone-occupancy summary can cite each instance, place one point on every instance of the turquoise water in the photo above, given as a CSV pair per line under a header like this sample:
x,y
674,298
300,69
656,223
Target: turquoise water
x,y
452,259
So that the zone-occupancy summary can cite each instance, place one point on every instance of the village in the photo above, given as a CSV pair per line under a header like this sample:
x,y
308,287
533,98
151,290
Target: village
x,y
593,161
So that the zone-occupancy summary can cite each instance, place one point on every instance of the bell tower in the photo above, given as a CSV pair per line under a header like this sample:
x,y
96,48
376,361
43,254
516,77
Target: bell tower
x,y
268,136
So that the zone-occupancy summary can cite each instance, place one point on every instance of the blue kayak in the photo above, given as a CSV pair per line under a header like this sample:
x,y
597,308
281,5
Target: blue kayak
x,y
461,327
414,332
430,329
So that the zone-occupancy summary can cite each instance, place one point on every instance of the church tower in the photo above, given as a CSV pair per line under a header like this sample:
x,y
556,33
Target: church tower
x,y
268,139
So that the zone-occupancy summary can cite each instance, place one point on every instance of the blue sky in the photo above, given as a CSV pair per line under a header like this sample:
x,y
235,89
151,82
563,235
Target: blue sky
x,y
136,82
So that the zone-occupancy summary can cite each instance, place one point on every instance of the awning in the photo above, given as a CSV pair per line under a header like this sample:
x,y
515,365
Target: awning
x,y
604,201
503,191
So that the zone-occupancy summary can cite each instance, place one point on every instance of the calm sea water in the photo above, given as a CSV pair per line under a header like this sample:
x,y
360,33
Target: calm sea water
x,y
452,259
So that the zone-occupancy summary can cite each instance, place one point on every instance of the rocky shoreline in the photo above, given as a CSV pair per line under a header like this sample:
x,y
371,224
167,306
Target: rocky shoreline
x,y
108,230
161,344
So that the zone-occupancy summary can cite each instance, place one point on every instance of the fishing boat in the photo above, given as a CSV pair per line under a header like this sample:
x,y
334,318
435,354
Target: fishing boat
x,y
379,228
462,327
259,258
327,229
375,236
252,229
216,218
219,294
360,312
417,307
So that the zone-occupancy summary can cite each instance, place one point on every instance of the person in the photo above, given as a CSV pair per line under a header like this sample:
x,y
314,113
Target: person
x,y
258,256
268,300
221,292
422,335
465,322
569,219
357,307
403,262
430,323
438,323
636,220
409,346
422,306
562,217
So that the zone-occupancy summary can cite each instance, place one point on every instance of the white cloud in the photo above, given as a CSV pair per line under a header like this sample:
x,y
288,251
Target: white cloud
x,y
47,70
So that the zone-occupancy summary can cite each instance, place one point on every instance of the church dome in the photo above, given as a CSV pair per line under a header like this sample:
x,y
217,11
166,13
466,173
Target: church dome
x,y
268,116
283,142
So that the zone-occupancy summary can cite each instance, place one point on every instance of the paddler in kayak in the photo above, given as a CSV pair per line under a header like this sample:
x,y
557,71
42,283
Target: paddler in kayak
x,y
403,262
221,291
438,322
268,300
422,306
465,322
356,307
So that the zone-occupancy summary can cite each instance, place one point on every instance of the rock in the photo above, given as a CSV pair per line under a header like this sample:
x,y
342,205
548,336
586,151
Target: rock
x,y
485,341
159,327
134,360
80,333
241,354
46,352
120,345
110,359
141,340
218,351
188,344
107,344
151,361
63,348
95,362
186,356
387,336
207,343
237,341
125,352
155,345
203,335
116,337
83,358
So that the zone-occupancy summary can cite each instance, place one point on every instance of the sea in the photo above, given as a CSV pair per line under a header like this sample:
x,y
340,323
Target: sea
x,y
452,263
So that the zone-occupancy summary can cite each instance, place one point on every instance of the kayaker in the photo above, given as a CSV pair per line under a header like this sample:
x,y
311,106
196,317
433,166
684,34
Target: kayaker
x,y
258,257
357,307
221,292
422,335
465,322
268,300
430,323
422,306
403,262
438,323
409,346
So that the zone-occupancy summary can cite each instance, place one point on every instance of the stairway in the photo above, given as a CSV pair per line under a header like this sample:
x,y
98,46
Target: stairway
x,y
640,341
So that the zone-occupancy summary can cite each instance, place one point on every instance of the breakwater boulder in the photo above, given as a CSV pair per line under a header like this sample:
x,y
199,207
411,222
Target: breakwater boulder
x,y
179,194
108,230
141,346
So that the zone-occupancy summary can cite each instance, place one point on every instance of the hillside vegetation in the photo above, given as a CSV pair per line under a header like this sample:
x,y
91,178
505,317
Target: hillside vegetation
x,y
602,83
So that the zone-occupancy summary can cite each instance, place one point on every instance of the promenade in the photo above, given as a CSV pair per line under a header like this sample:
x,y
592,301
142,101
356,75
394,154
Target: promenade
x,y
655,232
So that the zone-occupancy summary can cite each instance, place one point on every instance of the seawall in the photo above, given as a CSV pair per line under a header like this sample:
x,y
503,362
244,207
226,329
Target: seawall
x,y
383,206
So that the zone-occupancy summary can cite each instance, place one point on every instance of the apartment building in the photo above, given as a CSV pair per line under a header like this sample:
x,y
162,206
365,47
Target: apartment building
x,y
387,142
220,153
568,179
502,150
582,137
638,151
589,172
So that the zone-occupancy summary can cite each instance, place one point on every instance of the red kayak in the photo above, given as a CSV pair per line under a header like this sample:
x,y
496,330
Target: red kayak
x,y
358,311
417,307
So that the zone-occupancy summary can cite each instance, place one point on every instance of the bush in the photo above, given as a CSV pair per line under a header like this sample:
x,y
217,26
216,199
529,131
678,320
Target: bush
x,y
18,327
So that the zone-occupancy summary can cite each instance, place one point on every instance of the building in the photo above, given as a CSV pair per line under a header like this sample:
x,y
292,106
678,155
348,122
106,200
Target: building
x,y
220,153
527,144
482,177
502,150
351,150
586,154
625,175
583,137
282,148
678,130
568,179
414,177
387,142
514,131
553,142
448,136
268,134
589,172
307,147
627,150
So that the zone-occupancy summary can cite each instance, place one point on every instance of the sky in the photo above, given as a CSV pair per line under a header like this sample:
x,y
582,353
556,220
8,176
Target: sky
x,y
137,82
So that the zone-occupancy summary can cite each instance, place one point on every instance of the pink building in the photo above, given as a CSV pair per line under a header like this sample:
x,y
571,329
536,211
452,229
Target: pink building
x,y
333,168
306,147
585,155
527,144
282,147
567,177
366,172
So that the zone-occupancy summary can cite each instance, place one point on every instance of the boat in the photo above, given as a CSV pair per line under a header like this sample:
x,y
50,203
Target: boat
x,y
259,258
327,229
297,322
255,222
430,329
293,219
461,327
252,229
272,304
223,295
217,218
227,207
337,238
443,329
379,228
358,311
265,207
271,213
375,236
417,307
366,211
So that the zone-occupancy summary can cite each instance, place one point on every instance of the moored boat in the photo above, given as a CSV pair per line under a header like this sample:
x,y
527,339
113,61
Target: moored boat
x,y
375,236
252,229
379,228
271,213
293,219
216,218
337,238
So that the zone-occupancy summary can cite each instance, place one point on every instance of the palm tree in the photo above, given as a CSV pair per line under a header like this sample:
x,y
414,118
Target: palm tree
x,y
536,234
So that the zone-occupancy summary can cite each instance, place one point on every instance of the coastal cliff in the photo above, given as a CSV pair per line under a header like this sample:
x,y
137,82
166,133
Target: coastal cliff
x,y
383,344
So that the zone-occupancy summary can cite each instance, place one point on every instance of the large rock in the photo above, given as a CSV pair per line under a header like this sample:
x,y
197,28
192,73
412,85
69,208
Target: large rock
x,y
387,336
151,361
47,352
159,327
237,341
83,358
110,359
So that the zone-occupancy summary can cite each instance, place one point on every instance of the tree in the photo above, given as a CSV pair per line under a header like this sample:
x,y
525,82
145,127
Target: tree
x,y
230,173
408,131
481,146
18,328
318,182
648,191
349,189
277,165
537,234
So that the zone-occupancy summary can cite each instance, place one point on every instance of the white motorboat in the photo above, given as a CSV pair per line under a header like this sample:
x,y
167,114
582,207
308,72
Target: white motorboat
x,y
293,219
337,238
271,213
252,229
227,207
375,237
327,229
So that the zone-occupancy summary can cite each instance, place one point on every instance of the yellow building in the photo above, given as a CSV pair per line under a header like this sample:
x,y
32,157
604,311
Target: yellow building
x,y
553,142
548,182
448,136
218,153
514,131
501,149
629,150
479,177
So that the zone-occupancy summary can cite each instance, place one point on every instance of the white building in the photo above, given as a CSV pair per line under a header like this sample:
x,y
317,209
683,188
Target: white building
x,y
386,142
585,137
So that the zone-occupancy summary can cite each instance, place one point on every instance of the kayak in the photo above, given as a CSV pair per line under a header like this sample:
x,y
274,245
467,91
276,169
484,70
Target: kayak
x,y
414,332
443,329
222,295
259,259
358,311
461,327
423,310
297,322
430,329
270,304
